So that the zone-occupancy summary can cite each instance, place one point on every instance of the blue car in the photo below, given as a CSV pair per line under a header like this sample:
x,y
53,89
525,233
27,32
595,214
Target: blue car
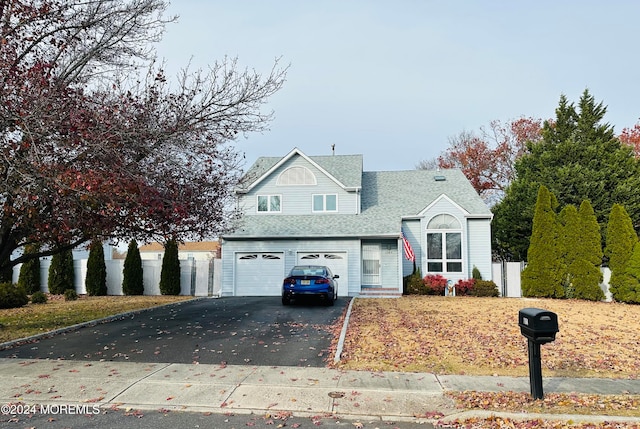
x,y
310,280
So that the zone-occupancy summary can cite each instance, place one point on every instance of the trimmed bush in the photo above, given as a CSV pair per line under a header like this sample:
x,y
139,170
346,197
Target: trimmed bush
x,y
170,274
61,274
475,273
484,288
39,298
96,279
132,275
435,283
70,295
464,287
12,296
29,278
414,284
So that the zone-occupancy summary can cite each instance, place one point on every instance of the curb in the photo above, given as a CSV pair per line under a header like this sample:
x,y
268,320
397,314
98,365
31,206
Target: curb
x,y
49,334
343,332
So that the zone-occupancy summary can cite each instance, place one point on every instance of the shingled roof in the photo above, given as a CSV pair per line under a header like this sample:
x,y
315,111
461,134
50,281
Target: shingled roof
x,y
386,198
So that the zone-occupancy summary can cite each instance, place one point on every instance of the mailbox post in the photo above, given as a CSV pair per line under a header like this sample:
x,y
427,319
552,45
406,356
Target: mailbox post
x,y
539,327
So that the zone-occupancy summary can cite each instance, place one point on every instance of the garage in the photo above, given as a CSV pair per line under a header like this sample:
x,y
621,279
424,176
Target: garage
x,y
337,263
259,274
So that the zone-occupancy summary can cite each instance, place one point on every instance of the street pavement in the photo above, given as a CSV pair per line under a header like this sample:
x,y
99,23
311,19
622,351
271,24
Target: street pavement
x,y
53,388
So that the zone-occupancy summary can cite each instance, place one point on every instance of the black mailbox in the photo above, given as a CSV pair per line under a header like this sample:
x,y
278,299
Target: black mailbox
x,y
538,325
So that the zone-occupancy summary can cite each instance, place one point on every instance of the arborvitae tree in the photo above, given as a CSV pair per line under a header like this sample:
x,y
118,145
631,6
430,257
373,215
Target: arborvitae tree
x,y
570,236
96,279
628,289
170,274
132,279
586,268
61,273
621,240
29,278
543,275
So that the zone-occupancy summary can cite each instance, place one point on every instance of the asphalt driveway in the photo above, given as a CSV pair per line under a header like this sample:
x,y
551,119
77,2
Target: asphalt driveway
x,y
236,331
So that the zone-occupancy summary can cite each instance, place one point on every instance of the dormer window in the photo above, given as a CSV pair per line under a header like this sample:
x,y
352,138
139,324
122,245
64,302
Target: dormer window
x,y
296,176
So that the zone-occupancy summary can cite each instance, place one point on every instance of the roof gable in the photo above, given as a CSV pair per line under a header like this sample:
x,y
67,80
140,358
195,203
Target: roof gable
x,y
344,170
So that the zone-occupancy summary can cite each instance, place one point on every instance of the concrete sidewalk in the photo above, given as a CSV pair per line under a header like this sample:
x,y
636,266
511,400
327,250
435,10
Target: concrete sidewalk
x,y
255,389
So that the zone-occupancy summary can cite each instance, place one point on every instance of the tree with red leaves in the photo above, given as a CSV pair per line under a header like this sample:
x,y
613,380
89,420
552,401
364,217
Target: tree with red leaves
x,y
91,147
488,160
631,137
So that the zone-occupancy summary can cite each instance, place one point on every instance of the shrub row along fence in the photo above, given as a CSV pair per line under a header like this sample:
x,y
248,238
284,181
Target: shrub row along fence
x,y
507,276
197,277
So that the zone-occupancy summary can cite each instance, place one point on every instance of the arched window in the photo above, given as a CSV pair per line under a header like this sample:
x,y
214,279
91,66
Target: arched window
x,y
296,176
444,244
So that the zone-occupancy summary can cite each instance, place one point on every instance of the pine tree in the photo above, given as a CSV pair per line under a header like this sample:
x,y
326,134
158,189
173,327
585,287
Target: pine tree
x,y
61,273
621,241
96,279
29,278
543,275
132,278
170,274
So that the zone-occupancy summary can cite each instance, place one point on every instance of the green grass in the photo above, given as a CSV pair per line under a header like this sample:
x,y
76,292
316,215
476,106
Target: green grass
x,y
32,319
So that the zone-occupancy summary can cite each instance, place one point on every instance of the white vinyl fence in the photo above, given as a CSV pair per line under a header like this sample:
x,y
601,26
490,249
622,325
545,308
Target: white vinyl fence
x,y
507,276
197,277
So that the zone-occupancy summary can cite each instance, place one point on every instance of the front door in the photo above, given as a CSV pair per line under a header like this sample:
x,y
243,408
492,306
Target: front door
x,y
371,265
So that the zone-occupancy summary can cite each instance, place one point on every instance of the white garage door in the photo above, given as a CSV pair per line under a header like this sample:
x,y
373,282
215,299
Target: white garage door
x,y
259,274
337,263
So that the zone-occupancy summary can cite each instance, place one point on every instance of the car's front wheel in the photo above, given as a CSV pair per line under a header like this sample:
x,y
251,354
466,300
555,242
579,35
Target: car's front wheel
x,y
286,300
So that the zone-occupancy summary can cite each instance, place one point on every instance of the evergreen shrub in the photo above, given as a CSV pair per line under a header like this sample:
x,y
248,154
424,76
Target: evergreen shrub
x,y
61,273
414,284
70,295
29,278
170,274
484,288
39,298
132,275
96,279
12,296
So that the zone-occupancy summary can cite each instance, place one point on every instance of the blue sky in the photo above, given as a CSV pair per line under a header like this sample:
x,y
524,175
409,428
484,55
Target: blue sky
x,y
393,80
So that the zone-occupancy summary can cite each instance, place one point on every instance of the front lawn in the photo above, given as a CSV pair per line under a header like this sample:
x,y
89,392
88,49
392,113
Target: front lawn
x,y
481,336
35,319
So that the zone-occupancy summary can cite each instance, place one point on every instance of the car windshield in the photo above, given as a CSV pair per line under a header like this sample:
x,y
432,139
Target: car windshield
x,y
308,271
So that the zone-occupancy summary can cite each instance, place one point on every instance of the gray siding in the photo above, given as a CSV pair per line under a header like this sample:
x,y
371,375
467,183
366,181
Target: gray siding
x,y
412,229
290,248
479,247
297,199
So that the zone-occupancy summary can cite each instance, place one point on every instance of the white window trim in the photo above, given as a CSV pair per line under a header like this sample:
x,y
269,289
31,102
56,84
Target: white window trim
x,y
324,203
444,260
269,196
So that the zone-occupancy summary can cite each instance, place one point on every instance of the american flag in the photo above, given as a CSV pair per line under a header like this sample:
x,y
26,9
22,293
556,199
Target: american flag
x,y
408,251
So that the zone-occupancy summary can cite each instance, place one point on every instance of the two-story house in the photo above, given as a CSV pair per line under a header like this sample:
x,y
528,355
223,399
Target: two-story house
x,y
326,210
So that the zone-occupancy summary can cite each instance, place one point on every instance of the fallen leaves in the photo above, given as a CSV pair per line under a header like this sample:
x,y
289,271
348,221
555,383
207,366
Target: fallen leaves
x,y
553,403
497,422
480,336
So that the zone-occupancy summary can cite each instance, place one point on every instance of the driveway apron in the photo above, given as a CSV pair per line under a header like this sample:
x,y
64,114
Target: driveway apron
x,y
234,331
